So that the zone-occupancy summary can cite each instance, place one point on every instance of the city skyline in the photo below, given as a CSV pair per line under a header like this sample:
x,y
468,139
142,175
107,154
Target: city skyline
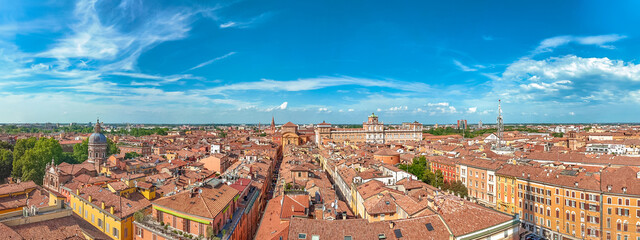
x,y
246,61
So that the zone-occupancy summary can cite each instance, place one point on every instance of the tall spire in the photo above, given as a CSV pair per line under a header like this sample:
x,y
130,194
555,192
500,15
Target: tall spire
x,y
273,122
500,124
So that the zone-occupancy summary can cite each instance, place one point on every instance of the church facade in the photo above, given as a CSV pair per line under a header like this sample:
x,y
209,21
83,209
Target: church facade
x,y
57,175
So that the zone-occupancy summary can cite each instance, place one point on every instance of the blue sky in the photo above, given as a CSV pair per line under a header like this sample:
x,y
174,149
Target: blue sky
x,y
309,61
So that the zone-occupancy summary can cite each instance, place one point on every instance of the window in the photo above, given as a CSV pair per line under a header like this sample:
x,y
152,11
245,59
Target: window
x,y
99,222
139,232
92,218
348,238
302,236
315,237
115,232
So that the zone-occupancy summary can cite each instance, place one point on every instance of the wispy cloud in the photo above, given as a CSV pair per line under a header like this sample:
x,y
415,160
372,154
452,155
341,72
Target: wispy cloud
x,y
307,84
602,41
160,79
246,23
464,67
212,61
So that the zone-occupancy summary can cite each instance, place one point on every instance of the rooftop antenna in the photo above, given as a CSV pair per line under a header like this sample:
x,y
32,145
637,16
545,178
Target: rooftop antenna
x,y
500,124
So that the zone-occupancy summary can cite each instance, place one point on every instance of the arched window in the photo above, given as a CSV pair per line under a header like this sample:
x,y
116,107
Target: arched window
x,y
573,217
568,215
619,201
625,226
619,225
609,200
557,213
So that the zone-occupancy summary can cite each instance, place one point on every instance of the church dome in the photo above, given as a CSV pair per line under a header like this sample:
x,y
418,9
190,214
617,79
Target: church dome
x,y
97,137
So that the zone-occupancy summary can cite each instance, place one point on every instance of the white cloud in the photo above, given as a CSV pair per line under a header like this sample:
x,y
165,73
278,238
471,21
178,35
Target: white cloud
x,y
472,109
572,113
324,109
400,108
566,79
350,110
442,104
283,106
549,44
212,60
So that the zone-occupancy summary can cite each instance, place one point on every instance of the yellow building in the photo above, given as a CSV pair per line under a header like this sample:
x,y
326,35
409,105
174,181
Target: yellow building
x,y
109,212
506,194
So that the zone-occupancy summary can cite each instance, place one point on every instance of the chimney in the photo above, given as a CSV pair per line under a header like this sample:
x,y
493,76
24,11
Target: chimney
x,y
111,210
90,198
624,189
576,184
391,224
102,204
609,188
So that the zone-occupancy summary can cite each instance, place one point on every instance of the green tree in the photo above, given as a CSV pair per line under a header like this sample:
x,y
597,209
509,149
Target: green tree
x,y
31,165
439,181
459,189
429,178
6,163
6,145
22,145
131,155
81,150
558,134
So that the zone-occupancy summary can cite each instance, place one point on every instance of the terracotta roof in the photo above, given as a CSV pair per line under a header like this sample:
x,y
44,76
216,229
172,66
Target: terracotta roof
x,y
271,225
122,206
207,204
338,229
289,124
16,187
386,152
382,203
294,205
70,227
464,217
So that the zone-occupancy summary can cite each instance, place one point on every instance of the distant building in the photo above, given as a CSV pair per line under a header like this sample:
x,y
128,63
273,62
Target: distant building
x,y
141,148
372,131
